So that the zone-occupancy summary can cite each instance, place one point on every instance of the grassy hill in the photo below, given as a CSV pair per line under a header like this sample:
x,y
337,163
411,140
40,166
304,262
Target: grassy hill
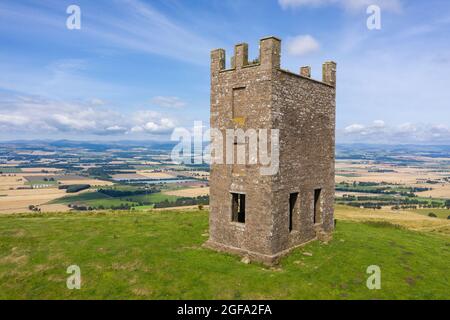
x,y
158,255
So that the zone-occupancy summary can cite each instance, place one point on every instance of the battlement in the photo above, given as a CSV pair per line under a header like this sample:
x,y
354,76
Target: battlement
x,y
269,58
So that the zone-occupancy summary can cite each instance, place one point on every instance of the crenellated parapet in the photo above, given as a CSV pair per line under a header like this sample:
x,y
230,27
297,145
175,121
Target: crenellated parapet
x,y
269,58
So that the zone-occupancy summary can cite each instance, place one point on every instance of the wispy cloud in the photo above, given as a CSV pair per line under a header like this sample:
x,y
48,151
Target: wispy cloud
x,y
167,102
125,24
350,5
62,78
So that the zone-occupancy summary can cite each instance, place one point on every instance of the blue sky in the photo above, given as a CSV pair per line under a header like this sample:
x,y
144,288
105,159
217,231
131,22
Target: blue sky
x,y
137,69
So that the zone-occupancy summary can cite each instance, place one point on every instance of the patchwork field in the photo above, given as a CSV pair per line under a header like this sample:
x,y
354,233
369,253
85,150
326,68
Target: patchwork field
x,y
16,194
40,170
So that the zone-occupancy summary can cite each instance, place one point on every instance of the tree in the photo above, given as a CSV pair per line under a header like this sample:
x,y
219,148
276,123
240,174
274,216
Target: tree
x,y
447,204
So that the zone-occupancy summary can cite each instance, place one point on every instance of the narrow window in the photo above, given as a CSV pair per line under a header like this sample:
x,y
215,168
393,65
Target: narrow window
x,y
292,202
238,207
317,213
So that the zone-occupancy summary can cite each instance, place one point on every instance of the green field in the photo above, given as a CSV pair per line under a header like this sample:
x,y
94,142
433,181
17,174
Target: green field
x,y
83,197
158,255
440,213
98,199
41,182
154,197
10,170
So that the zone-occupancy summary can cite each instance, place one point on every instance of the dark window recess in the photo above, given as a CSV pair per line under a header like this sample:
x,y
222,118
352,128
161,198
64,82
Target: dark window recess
x,y
317,213
238,207
292,202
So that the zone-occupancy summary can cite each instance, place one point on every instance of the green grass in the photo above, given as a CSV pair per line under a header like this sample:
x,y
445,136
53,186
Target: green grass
x,y
348,175
440,213
158,255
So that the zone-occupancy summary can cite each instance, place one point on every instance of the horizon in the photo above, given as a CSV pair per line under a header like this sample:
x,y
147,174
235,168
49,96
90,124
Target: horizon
x,y
136,70
165,142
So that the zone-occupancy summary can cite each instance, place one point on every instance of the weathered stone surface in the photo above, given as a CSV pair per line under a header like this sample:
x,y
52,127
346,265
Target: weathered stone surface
x,y
264,96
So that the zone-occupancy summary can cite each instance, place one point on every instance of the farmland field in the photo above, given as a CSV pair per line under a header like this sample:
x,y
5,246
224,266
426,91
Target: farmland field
x,y
189,192
102,201
19,200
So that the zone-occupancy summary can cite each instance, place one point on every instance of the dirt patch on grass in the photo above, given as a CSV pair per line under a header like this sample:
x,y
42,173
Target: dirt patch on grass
x,y
15,257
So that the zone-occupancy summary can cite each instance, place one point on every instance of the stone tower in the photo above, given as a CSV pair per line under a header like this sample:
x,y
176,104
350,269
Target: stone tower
x,y
264,216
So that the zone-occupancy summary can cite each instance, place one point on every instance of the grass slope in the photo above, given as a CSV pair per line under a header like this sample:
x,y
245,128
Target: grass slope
x,y
158,255
440,213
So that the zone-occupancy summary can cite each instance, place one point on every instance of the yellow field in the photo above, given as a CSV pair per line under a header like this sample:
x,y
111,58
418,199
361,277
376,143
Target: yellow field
x,y
13,181
189,192
54,208
405,218
156,175
92,182
19,200
439,191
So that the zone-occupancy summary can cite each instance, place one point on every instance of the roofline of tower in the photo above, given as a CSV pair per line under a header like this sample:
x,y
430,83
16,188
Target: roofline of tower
x,y
307,78
282,70
270,37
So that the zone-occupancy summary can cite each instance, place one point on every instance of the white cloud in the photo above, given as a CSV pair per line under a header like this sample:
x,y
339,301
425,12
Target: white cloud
x,y
167,102
36,115
379,124
15,120
379,132
350,5
354,128
302,45
152,122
